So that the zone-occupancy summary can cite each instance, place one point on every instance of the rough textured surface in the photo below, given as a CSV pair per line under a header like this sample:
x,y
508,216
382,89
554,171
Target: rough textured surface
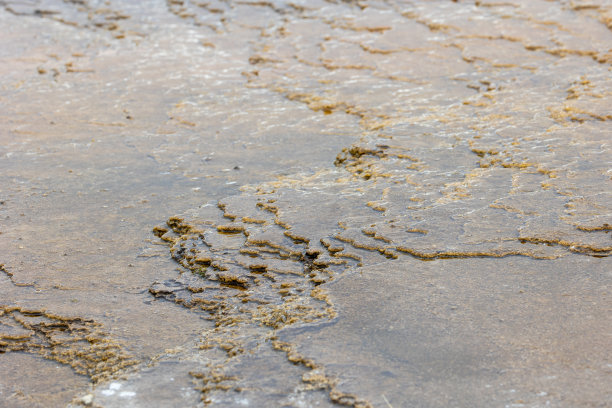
x,y
353,203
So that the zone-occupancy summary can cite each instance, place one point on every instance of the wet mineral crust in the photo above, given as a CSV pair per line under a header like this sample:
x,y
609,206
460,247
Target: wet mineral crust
x,y
305,203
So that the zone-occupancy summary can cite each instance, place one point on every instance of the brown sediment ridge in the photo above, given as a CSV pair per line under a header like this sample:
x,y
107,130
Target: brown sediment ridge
x,y
317,379
76,342
79,343
577,247
250,283
82,15
12,277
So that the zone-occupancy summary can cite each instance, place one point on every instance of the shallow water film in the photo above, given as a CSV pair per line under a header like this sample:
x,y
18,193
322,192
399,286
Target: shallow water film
x,y
305,203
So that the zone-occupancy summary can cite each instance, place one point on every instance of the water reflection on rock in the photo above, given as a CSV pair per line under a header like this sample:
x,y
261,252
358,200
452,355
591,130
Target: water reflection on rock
x,y
371,203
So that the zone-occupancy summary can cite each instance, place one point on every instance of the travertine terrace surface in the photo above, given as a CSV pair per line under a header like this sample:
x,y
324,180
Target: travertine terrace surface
x,y
305,203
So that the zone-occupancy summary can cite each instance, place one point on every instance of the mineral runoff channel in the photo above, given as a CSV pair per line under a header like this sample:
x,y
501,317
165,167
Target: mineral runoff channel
x,y
305,204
